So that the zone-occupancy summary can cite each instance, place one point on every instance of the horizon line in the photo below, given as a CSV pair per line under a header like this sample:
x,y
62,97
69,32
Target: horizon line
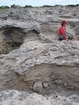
x,y
40,5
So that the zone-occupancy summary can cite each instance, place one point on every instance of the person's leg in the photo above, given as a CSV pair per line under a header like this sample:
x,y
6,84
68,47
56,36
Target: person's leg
x,y
61,37
69,36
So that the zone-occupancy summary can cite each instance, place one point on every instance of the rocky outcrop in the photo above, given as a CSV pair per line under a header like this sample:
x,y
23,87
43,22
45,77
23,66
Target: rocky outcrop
x,y
53,63
22,98
12,97
12,34
40,63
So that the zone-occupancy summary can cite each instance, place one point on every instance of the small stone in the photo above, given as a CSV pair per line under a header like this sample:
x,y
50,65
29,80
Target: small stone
x,y
52,77
45,84
59,82
65,84
38,86
72,87
50,84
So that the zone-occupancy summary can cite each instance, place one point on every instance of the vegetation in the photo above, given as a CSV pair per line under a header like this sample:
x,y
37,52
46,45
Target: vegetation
x,y
47,6
13,6
67,17
1,7
4,50
72,5
28,6
4,7
9,47
5,18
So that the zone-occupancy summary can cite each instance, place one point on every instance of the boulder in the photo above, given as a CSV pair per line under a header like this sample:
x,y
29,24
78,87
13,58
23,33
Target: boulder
x,y
38,86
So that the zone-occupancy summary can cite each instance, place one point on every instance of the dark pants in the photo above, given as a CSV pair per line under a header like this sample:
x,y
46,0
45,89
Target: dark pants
x,y
61,37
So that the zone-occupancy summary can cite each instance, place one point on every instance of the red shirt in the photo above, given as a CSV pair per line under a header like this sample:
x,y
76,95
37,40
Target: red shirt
x,y
62,31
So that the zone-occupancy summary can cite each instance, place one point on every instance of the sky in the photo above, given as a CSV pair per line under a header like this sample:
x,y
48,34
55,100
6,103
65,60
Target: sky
x,y
37,2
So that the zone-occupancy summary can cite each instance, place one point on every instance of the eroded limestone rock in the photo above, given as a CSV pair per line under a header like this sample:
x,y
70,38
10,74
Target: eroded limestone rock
x,y
40,56
13,97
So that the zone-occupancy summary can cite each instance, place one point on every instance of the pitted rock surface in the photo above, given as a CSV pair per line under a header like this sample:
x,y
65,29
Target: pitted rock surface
x,y
40,63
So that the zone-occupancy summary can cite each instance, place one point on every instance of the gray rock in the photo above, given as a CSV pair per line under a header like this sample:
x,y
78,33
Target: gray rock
x,y
22,98
72,87
38,86
13,97
65,84
45,84
39,54
53,77
59,82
